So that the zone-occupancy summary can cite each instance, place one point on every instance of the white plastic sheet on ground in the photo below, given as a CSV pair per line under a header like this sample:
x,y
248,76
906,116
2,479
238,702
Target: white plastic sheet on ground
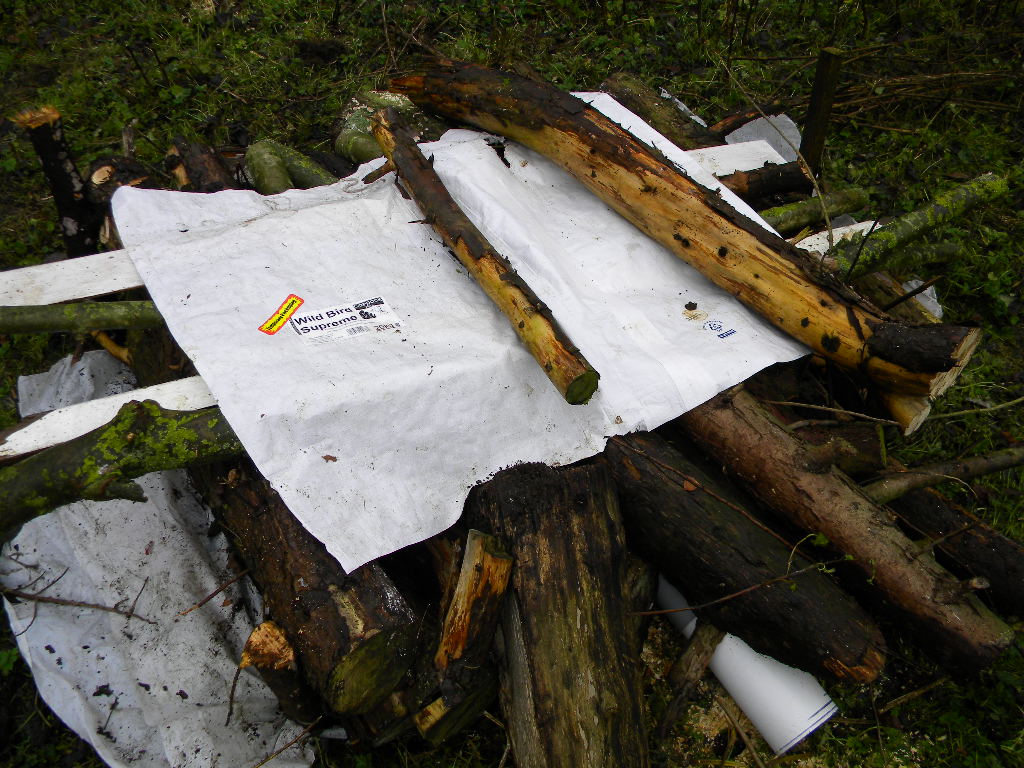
x,y
143,694
373,435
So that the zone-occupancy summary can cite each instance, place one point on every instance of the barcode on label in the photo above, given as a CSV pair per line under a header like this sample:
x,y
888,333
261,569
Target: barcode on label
x,y
356,330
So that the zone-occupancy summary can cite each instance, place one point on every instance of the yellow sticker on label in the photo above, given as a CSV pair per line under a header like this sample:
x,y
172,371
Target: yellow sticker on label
x,y
277,320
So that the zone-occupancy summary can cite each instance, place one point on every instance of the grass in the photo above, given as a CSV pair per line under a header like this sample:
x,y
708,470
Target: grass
x,y
930,96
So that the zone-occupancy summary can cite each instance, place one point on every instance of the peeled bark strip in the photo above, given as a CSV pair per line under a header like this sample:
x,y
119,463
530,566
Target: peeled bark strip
x,y
567,369
662,115
783,284
789,219
769,461
698,536
101,464
570,689
80,220
80,317
354,634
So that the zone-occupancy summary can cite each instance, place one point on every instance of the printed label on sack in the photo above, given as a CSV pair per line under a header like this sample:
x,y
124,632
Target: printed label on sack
x,y
346,320
276,321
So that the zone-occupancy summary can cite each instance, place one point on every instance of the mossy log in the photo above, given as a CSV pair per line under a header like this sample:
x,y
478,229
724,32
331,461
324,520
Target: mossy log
x,y
101,464
80,220
664,116
567,369
792,218
700,535
775,466
868,250
354,634
79,317
570,686
782,283
275,168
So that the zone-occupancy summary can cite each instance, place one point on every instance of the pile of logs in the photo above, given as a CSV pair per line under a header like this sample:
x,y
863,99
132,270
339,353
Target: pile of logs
x,y
788,534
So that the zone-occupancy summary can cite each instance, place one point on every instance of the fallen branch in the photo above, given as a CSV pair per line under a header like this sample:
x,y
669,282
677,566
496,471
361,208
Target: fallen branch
x,y
768,274
567,369
80,317
792,218
900,483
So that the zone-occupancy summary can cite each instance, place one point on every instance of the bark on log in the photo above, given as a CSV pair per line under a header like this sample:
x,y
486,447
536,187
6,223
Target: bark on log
x,y
275,168
772,179
567,369
826,76
79,317
101,464
570,691
196,167
80,220
699,536
772,463
782,283
662,115
354,634
967,545
789,219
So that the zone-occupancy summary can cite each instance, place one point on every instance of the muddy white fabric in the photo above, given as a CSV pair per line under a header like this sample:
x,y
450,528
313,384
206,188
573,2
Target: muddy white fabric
x,y
149,691
373,433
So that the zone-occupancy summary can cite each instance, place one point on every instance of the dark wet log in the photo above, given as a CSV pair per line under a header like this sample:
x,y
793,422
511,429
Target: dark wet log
x,y
773,179
662,115
354,634
563,363
110,173
699,534
772,464
967,545
783,284
101,464
80,220
197,167
79,317
570,688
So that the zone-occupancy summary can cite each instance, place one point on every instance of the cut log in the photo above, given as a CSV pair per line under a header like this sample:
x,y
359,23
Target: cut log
x,y
699,535
268,652
76,318
768,274
826,77
664,116
80,220
354,634
567,369
275,168
196,167
775,179
735,430
570,690
106,176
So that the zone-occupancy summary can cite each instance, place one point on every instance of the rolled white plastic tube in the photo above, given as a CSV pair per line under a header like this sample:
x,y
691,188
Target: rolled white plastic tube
x,y
783,703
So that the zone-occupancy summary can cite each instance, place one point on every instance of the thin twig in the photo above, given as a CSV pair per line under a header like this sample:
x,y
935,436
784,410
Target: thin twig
x,y
900,700
73,603
834,410
988,409
745,590
742,734
213,594
131,611
305,731
911,294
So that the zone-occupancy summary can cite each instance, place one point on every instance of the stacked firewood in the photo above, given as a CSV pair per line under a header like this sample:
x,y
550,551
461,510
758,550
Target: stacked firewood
x,y
784,532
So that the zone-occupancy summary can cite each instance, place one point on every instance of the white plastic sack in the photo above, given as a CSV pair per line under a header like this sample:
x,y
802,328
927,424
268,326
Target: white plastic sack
x,y
372,429
150,691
